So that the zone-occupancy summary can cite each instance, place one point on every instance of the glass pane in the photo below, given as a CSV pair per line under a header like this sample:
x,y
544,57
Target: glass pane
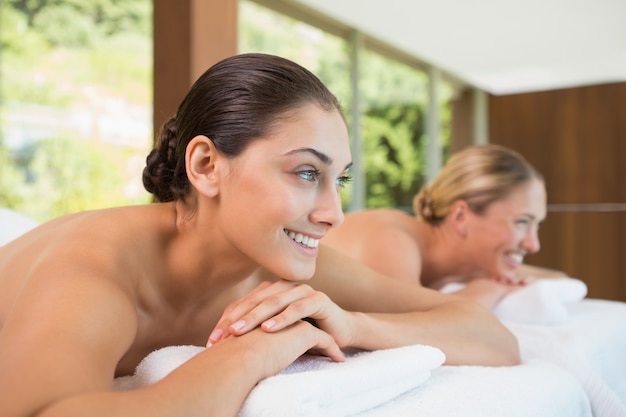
x,y
395,99
76,109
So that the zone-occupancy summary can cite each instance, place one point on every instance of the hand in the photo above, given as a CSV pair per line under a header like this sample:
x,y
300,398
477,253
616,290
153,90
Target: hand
x,y
280,348
488,292
518,279
526,274
275,306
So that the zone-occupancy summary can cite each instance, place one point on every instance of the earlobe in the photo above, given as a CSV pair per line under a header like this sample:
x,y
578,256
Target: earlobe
x,y
200,162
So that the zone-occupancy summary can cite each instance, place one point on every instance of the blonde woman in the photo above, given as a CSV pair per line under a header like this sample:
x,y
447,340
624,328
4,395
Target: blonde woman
x,y
474,223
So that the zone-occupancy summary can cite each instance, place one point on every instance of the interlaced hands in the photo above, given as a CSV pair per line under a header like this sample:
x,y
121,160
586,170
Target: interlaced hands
x,y
277,350
519,279
276,306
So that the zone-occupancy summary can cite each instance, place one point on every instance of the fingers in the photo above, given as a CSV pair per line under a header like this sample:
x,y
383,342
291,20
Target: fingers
x,y
321,342
281,348
505,280
307,307
273,306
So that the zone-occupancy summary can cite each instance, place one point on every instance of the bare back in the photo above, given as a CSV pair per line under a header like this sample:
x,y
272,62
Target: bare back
x,y
383,239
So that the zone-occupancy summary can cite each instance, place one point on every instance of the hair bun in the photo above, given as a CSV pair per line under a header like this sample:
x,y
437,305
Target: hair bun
x,y
424,204
159,173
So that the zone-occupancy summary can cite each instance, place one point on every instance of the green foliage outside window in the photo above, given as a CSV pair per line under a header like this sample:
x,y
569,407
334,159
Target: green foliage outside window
x,y
72,72
78,61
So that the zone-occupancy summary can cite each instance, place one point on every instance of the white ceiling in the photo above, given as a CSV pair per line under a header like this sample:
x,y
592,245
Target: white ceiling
x,y
501,46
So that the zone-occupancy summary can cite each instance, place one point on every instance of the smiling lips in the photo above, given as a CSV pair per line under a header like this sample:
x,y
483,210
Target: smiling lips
x,y
304,240
515,257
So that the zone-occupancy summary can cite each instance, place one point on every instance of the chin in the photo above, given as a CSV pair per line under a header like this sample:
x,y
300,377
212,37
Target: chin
x,y
299,274
305,276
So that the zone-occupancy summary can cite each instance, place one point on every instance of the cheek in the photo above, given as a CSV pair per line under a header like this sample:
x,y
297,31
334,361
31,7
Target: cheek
x,y
269,203
498,237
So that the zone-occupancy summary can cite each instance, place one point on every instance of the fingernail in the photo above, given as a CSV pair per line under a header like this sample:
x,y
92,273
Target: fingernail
x,y
209,344
269,324
238,325
216,335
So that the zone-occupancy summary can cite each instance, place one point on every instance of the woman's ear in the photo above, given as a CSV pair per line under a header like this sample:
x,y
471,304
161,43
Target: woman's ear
x,y
460,215
201,158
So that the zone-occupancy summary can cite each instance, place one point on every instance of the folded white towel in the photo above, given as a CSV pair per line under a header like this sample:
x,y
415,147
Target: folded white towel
x,y
156,366
365,380
314,385
544,301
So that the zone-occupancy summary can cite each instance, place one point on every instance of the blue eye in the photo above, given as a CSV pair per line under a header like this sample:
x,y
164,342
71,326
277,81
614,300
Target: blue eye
x,y
343,180
310,175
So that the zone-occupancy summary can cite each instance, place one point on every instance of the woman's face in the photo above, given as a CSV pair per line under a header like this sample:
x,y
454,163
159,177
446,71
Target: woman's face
x,y
508,230
282,193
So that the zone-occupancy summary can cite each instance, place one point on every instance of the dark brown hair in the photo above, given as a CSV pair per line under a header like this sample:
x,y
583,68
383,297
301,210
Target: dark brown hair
x,y
234,102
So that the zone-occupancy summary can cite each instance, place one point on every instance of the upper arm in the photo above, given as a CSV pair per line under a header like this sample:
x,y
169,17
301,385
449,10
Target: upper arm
x,y
530,271
67,331
357,287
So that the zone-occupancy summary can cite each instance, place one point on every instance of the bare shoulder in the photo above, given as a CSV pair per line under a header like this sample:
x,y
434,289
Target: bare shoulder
x,y
68,299
381,224
69,314
57,253
69,255
383,239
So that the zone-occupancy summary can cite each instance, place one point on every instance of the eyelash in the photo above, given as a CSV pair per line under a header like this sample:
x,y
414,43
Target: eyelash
x,y
312,174
344,180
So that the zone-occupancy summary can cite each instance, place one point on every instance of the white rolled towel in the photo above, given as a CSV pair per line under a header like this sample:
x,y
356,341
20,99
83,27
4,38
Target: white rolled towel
x,y
314,386
544,301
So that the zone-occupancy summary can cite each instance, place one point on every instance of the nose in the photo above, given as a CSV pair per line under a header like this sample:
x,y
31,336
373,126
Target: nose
x,y
531,241
328,207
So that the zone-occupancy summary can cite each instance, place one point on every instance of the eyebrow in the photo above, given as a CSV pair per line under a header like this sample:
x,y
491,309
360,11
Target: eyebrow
x,y
534,218
320,155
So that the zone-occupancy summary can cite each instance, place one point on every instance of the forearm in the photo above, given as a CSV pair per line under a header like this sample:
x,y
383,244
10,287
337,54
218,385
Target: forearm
x,y
530,271
210,384
486,292
466,332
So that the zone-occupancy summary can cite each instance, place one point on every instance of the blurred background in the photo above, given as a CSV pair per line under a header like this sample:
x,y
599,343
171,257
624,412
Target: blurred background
x,y
77,102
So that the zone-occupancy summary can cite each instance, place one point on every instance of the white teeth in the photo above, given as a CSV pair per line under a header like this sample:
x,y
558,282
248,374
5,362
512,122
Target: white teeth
x,y
517,257
302,239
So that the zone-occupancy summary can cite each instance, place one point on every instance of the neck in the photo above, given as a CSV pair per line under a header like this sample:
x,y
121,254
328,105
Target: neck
x,y
443,254
200,262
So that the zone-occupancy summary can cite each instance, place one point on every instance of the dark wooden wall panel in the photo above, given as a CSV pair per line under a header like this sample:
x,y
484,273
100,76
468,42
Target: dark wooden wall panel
x,y
589,246
575,137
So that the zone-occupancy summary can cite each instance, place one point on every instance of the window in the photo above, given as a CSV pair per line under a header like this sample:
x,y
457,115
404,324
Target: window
x,y
76,108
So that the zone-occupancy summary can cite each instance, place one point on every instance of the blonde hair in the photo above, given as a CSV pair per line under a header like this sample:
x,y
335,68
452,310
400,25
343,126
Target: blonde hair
x,y
478,175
